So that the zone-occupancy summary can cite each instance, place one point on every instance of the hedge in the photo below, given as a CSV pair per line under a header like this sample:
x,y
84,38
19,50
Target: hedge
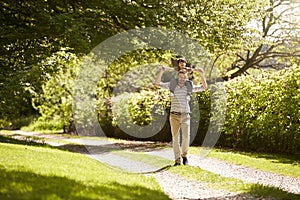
x,y
262,113
129,115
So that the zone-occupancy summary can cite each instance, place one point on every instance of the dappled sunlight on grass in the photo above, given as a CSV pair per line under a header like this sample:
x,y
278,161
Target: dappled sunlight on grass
x,y
29,185
28,172
35,171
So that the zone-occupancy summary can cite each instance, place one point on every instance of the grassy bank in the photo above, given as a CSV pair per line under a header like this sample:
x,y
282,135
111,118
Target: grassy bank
x,y
32,172
26,167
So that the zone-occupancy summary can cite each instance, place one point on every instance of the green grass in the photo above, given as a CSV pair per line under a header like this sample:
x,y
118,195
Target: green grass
x,y
71,169
36,172
54,125
279,164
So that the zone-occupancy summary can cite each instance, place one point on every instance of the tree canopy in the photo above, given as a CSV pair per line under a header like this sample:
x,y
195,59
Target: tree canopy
x,y
272,40
35,33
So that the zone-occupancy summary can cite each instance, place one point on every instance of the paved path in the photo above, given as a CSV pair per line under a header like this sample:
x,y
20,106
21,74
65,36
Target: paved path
x,y
176,187
246,174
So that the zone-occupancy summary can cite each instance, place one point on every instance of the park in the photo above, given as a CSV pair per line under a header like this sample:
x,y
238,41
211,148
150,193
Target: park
x,y
87,106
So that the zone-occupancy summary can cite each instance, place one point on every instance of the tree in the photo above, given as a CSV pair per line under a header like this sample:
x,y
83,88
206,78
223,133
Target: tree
x,y
54,102
31,31
274,43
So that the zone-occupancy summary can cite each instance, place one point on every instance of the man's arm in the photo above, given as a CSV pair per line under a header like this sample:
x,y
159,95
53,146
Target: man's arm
x,y
203,79
158,78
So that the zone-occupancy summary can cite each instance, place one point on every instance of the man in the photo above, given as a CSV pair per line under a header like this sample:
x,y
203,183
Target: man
x,y
180,90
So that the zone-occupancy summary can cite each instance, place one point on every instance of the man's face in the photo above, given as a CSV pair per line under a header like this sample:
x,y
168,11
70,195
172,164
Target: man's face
x,y
182,78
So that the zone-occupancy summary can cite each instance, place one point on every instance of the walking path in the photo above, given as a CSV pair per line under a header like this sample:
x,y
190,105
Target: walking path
x,y
249,175
175,186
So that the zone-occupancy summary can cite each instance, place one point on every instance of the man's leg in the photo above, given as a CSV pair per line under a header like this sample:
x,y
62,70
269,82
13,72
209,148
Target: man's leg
x,y
175,126
185,127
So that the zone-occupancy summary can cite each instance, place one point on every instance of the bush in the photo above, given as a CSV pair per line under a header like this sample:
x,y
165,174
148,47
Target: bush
x,y
40,125
263,112
16,123
140,114
136,115
54,103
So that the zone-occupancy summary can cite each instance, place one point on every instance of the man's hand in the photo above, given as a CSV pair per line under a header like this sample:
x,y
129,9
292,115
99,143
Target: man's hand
x,y
201,71
158,78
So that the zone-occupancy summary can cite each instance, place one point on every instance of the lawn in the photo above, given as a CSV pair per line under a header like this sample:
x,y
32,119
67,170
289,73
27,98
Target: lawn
x,y
39,172
35,172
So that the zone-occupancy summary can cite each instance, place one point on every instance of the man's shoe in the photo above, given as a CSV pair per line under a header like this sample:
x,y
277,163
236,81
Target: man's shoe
x,y
176,164
185,161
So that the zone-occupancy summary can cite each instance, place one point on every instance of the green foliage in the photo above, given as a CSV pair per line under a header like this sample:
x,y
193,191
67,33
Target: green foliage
x,y
43,125
138,108
263,112
133,112
200,115
270,40
132,74
4,123
127,101
218,25
31,31
54,103
37,69
17,123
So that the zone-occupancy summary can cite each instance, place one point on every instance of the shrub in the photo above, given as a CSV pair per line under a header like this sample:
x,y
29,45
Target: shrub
x,y
16,123
45,125
135,115
263,112
139,114
54,103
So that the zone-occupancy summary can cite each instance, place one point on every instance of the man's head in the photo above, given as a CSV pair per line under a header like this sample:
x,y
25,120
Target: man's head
x,y
182,76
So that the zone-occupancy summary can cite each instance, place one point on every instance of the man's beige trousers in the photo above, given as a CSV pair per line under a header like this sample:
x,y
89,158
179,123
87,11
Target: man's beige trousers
x,y
178,122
